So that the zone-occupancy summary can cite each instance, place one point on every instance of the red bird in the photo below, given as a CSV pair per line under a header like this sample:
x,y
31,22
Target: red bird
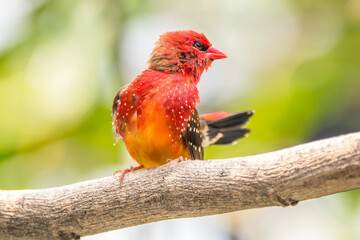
x,y
156,114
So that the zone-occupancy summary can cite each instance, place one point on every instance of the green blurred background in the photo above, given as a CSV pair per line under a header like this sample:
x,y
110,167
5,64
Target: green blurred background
x,y
296,63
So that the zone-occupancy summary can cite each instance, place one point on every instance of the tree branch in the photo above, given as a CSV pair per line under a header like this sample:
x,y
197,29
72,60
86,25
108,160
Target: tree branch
x,y
182,190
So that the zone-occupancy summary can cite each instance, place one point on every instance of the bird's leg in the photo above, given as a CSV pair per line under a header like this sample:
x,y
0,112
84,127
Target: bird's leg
x,y
123,172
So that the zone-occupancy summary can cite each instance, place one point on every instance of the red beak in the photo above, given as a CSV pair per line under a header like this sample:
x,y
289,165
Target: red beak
x,y
214,53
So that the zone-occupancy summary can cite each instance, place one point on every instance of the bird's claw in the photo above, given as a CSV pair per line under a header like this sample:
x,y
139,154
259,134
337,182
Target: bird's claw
x,y
123,172
179,159
182,159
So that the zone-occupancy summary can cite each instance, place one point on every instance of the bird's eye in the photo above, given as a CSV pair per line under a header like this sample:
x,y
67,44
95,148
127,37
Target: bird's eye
x,y
200,46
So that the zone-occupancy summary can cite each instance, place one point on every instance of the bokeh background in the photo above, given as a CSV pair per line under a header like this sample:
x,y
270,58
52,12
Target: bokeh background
x,y
296,63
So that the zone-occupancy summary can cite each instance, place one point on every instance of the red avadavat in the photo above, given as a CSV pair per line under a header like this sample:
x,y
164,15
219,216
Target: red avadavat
x,y
156,114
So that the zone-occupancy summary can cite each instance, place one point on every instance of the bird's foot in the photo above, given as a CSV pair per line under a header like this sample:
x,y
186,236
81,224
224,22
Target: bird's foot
x,y
179,159
123,172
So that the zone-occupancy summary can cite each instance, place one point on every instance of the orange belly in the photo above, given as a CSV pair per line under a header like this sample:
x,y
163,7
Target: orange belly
x,y
147,139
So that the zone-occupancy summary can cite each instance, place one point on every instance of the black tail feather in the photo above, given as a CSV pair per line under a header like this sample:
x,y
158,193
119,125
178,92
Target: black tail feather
x,y
233,121
231,136
226,130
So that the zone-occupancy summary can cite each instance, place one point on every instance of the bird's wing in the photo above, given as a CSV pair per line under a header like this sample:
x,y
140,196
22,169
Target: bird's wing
x,y
193,137
116,102
114,109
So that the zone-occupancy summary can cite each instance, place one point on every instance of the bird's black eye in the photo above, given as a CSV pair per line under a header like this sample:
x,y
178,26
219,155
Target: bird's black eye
x,y
200,46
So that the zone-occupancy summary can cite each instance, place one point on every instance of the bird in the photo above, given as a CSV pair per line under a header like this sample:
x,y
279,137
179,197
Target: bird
x,y
156,116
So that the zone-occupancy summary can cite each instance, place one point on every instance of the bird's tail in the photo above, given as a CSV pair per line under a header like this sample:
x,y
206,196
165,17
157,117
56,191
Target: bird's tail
x,y
224,128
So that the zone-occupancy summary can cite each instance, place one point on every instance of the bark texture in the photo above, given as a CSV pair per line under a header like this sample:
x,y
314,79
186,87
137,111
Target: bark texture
x,y
182,190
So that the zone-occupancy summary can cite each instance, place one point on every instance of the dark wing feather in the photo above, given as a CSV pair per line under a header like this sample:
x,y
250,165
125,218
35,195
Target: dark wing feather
x,y
114,109
193,137
116,102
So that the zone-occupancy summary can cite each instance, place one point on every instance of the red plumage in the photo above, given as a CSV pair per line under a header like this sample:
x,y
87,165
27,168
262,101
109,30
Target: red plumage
x,y
172,94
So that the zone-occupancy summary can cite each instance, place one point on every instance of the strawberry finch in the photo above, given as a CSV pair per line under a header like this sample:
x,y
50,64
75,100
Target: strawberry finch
x,y
156,114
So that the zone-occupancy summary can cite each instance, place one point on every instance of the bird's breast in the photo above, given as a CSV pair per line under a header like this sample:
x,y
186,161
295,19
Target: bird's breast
x,y
149,138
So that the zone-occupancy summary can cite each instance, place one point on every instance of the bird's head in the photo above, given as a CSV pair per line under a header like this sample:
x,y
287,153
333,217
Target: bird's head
x,y
187,52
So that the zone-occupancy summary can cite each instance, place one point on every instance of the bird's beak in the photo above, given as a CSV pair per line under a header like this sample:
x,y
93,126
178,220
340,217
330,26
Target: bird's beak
x,y
214,53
